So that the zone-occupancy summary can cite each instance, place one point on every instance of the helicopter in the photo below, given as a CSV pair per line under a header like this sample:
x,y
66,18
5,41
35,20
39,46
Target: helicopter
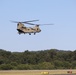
x,y
24,30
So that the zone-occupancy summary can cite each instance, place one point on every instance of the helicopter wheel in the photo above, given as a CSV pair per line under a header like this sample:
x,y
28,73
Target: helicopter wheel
x,y
19,33
34,33
29,33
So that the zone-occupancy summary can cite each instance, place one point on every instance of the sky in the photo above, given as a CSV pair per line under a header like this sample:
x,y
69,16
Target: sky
x,y
61,35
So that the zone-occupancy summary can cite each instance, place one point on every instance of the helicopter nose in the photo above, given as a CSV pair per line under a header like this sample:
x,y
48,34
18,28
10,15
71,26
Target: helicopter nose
x,y
40,30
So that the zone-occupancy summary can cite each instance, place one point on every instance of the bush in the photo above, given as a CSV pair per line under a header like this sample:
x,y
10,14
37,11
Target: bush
x,y
24,67
6,67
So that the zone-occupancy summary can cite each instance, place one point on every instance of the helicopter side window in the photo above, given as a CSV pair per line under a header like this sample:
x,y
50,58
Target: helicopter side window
x,y
37,28
18,24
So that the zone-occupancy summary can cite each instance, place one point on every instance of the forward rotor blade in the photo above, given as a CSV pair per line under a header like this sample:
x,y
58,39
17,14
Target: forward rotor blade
x,y
38,24
44,24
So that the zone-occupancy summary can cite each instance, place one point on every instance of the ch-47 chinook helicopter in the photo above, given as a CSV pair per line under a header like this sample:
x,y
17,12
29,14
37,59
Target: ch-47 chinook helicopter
x,y
23,29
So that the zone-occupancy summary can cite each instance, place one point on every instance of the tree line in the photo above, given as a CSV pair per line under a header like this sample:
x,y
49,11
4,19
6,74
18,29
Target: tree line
x,y
32,60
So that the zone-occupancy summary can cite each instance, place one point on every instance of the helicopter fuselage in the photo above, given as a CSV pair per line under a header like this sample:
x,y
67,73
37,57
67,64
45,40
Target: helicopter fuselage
x,y
22,29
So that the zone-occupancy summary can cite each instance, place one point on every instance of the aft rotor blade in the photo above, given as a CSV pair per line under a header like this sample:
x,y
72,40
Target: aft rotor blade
x,y
29,21
15,21
24,21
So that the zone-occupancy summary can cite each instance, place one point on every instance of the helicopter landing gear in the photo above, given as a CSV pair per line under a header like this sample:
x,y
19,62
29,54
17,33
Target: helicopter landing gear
x,y
29,33
34,33
19,33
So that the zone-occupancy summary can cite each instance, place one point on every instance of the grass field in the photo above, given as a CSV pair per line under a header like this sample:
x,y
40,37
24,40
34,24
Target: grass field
x,y
35,72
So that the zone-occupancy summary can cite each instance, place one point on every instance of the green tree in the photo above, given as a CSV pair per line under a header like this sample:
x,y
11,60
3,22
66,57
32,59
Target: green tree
x,y
6,67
